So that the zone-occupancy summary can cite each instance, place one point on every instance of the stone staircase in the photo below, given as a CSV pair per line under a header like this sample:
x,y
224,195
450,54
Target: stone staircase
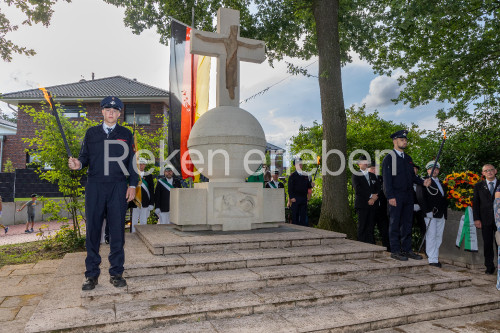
x,y
286,279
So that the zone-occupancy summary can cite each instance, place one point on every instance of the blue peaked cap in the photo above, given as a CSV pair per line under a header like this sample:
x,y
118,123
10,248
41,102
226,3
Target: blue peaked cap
x,y
112,102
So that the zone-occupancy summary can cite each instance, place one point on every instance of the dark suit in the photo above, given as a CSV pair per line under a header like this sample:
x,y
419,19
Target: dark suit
x,y
381,219
418,216
146,200
482,207
162,194
366,213
298,185
280,185
398,184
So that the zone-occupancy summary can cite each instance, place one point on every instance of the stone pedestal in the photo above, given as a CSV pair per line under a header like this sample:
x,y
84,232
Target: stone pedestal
x,y
449,253
226,207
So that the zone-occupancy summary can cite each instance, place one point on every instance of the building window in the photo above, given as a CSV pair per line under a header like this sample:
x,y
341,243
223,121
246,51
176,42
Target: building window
x,y
142,114
74,111
33,161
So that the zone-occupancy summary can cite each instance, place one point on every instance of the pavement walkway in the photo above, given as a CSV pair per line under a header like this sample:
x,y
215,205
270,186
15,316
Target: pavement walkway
x,y
17,235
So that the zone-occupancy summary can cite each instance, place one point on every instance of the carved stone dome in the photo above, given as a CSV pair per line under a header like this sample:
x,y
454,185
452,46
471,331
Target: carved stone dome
x,y
223,136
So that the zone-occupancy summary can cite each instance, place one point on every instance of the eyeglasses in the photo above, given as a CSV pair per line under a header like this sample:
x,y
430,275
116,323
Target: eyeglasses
x,y
489,170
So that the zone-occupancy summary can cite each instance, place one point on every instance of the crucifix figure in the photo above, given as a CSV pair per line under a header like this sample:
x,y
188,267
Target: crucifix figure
x,y
229,49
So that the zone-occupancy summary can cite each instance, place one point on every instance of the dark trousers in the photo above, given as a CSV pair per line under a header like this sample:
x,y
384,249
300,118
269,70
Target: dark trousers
x,y
382,222
299,211
419,223
400,222
488,232
366,225
109,199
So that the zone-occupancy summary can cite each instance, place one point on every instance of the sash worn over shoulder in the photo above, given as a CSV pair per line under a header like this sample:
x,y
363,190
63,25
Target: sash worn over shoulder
x,y
144,186
166,184
271,183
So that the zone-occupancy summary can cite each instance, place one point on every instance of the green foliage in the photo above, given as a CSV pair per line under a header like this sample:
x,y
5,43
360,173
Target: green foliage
x,y
472,141
8,166
35,11
150,141
447,49
66,239
49,149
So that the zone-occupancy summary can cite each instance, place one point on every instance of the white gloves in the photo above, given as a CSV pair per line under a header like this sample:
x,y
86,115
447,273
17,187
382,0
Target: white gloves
x,y
416,207
158,211
429,215
497,237
150,207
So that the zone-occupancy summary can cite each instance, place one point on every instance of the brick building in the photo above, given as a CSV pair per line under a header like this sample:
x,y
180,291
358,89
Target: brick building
x,y
82,99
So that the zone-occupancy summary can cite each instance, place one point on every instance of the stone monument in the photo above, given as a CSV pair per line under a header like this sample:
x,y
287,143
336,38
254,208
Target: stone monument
x,y
223,141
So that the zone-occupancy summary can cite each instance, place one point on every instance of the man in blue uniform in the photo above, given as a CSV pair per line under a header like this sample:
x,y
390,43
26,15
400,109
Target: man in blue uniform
x,y
108,154
398,188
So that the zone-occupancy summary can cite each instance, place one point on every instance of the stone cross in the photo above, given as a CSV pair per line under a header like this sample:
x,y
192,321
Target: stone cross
x,y
229,48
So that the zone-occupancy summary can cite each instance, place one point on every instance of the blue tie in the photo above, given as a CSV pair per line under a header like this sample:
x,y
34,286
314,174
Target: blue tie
x,y
109,129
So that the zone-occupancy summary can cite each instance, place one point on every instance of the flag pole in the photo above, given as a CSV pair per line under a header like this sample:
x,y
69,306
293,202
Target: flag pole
x,y
49,99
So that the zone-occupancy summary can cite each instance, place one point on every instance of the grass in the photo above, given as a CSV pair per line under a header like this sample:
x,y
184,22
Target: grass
x,y
32,252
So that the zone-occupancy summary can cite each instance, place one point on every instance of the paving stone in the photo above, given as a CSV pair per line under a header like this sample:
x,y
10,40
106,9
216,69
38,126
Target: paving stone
x,y
200,327
267,323
22,300
26,312
54,264
238,275
8,314
74,317
281,271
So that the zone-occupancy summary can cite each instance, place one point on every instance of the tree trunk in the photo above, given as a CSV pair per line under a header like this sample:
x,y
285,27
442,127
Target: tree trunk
x,y
335,211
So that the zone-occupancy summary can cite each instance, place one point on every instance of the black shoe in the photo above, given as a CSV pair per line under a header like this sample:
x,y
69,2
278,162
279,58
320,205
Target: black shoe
x,y
89,284
117,281
436,264
398,256
490,271
106,239
413,255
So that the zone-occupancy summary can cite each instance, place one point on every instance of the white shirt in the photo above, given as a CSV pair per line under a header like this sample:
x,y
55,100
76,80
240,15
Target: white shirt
x,y
105,127
438,185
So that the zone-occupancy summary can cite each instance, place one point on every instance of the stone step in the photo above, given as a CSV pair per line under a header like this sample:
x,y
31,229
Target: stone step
x,y
249,278
143,263
355,316
165,239
231,304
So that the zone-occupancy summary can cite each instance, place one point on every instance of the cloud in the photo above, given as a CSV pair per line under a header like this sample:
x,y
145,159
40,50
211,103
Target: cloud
x,y
382,90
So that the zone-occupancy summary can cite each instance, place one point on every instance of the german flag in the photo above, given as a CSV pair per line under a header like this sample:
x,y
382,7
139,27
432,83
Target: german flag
x,y
189,86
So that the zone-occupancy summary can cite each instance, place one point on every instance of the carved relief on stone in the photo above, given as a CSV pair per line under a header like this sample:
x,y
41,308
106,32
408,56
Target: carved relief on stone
x,y
234,203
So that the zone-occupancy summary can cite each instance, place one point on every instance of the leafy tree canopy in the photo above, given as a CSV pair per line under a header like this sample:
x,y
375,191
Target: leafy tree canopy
x,y
35,11
448,49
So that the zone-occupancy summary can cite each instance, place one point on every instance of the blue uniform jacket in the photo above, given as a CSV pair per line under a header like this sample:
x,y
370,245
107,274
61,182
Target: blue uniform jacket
x,y
402,180
93,151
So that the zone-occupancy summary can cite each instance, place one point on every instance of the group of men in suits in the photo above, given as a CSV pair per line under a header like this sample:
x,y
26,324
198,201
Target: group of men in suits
x,y
388,201
407,195
152,197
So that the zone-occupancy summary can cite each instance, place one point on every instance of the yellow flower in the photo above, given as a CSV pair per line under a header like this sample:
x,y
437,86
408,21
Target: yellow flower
x,y
459,205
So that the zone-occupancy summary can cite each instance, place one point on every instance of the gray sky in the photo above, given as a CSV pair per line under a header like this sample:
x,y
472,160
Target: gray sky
x,y
88,36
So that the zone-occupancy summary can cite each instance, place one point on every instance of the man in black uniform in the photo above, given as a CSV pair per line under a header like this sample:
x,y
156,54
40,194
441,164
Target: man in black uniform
x,y
366,194
418,214
398,188
141,214
298,186
162,195
275,183
484,217
435,207
107,151
381,220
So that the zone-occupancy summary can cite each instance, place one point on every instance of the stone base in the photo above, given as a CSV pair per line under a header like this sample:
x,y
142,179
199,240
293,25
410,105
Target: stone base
x,y
221,206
